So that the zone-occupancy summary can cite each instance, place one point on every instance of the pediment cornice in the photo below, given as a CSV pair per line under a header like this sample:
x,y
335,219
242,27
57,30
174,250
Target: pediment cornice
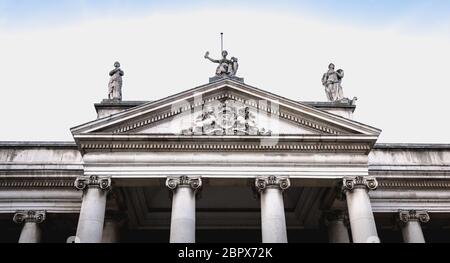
x,y
284,114
302,114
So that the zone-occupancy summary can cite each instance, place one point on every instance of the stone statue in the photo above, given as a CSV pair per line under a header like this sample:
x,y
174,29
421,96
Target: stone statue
x,y
234,67
332,81
227,67
115,83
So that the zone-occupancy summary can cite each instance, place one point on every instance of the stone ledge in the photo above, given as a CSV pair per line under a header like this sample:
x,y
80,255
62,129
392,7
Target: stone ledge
x,y
129,103
25,144
219,78
329,104
416,146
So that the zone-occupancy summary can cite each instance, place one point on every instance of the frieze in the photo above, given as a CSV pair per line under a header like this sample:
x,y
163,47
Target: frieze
x,y
36,183
306,147
417,184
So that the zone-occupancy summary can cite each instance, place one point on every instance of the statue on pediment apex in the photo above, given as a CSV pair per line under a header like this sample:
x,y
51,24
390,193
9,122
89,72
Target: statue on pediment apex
x,y
226,67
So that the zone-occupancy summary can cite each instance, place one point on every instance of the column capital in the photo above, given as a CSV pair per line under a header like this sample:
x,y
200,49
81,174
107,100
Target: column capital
x,y
413,215
194,182
29,216
263,182
93,181
350,183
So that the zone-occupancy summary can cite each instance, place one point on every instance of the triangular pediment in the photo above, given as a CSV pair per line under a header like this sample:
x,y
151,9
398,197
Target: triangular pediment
x,y
222,108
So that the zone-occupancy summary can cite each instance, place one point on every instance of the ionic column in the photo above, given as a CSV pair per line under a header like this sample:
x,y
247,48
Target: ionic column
x,y
273,221
182,222
362,222
410,225
336,222
92,213
31,233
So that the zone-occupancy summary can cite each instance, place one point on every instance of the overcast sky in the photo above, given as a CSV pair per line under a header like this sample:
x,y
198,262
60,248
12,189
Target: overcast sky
x,y
55,57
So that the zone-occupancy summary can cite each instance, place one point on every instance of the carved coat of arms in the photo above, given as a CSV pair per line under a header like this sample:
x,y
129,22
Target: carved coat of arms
x,y
226,118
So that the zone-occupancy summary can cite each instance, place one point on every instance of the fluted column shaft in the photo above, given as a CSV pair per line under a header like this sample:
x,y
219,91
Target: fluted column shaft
x,y
273,221
92,213
182,222
360,213
31,232
410,225
336,222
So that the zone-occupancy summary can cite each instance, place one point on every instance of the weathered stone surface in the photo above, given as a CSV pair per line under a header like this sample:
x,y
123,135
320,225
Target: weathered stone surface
x,y
226,66
182,221
138,149
331,80
115,83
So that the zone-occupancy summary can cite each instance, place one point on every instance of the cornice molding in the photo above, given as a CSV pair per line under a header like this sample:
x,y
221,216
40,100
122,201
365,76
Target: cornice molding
x,y
333,120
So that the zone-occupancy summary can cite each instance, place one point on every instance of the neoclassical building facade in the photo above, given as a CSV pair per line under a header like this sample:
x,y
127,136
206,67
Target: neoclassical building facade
x,y
224,162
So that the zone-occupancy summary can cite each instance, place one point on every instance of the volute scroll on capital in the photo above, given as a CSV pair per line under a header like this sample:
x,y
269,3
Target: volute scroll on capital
x,y
194,182
412,215
263,182
29,216
350,183
102,182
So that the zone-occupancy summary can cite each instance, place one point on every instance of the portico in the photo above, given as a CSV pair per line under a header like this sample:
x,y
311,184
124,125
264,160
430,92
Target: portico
x,y
224,162
229,134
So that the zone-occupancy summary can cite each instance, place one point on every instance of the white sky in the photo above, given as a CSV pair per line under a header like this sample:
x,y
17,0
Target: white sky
x,y
51,76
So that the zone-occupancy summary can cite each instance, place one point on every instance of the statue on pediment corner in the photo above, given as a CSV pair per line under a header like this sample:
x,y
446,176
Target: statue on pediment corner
x,y
332,80
115,83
